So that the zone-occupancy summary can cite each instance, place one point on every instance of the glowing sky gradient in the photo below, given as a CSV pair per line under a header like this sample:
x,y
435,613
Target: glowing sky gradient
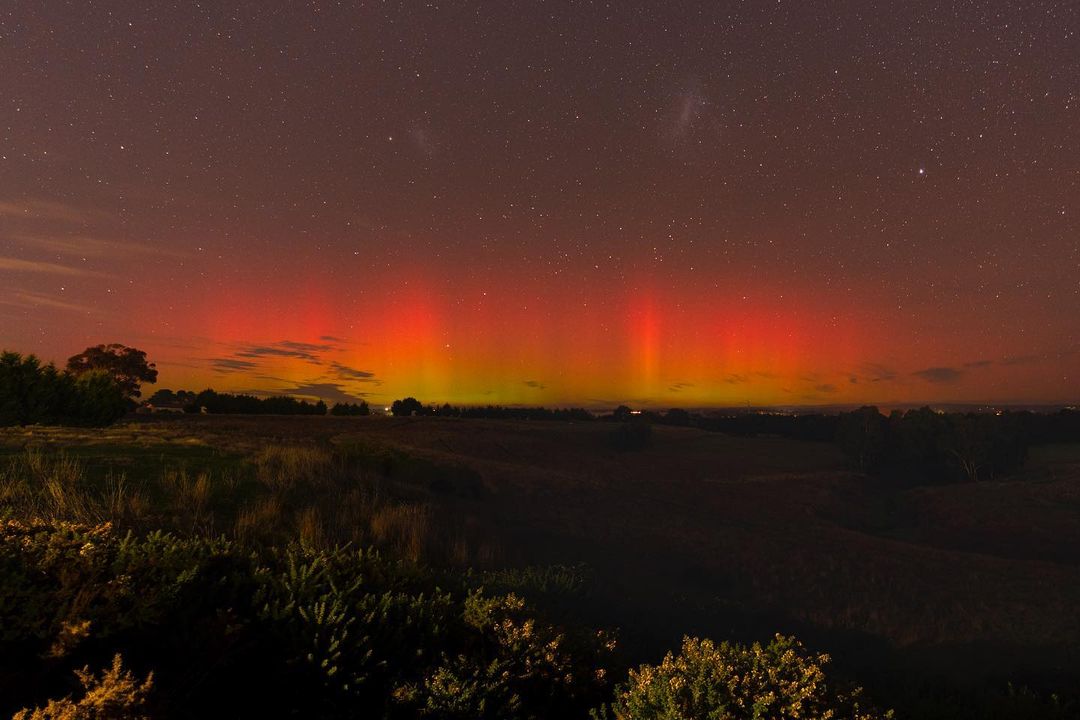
x,y
710,204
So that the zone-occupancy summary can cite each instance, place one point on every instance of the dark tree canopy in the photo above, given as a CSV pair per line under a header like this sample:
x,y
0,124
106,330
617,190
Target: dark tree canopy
x,y
126,365
406,407
216,403
167,398
32,393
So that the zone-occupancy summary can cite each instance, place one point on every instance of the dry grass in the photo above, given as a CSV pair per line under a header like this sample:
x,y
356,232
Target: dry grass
x,y
284,467
402,528
258,520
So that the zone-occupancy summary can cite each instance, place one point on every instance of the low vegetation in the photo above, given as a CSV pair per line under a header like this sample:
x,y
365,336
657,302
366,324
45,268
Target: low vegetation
x,y
237,585
779,680
292,630
416,568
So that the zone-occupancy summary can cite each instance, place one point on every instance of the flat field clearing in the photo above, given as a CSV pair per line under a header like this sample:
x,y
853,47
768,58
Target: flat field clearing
x,y
697,533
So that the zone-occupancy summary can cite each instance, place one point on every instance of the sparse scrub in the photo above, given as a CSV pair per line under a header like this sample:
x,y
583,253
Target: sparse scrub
x,y
402,528
806,547
283,468
319,633
115,695
778,681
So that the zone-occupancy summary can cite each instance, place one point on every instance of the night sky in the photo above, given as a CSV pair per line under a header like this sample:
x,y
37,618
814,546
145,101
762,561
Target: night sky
x,y
666,204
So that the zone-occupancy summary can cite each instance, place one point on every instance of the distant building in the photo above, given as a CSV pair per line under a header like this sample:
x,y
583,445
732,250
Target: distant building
x,y
150,409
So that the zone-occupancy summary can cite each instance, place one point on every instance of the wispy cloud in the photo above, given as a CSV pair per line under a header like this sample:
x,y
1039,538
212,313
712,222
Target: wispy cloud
x,y
231,365
940,374
36,266
38,209
94,246
535,384
327,392
1021,360
305,347
36,300
877,373
979,364
679,386
285,348
346,372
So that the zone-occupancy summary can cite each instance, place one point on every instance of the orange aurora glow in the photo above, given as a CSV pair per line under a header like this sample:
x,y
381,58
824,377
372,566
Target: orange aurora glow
x,y
447,340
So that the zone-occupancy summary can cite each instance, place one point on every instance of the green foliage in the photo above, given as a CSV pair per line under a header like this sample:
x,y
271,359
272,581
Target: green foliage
x,y
36,394
288,630
778,681
99,399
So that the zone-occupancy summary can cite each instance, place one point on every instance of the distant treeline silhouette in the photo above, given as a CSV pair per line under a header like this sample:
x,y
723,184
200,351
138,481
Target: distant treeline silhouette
x,y
211,401
942,447
923,444
920,445
345,409
411,406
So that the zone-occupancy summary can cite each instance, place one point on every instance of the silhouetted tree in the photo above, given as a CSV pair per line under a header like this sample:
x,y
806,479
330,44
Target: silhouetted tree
x,y
862,435
101,401
126,365
621,413
406,407
32,393
29,391
167,398
217,403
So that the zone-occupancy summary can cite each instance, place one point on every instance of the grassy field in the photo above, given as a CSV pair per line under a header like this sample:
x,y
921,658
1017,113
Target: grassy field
x,y
701,533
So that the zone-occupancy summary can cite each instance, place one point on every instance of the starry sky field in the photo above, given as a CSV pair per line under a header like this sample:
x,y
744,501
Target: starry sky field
x,y
551,203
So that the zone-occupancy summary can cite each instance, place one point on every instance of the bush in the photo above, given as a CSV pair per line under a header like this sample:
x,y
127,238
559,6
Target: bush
x,y
777,681
116,695
286,631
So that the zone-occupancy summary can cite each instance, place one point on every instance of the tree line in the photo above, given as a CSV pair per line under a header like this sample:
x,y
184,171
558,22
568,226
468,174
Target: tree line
x,y
410,406
95,388
102,383
213,402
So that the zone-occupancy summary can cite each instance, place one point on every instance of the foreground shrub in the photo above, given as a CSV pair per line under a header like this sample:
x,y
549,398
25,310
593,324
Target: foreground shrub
x,y
116,695
708,681
285,631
